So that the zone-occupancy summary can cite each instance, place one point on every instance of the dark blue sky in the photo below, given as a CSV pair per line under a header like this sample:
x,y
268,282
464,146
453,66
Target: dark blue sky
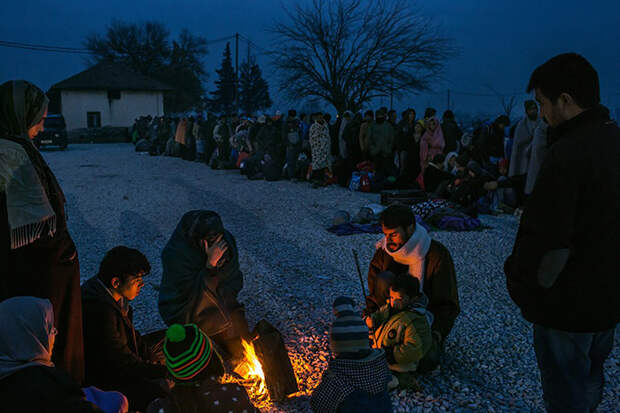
x,y
500,42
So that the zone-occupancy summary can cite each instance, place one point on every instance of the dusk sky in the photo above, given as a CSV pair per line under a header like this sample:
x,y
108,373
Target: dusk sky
x,y
500,42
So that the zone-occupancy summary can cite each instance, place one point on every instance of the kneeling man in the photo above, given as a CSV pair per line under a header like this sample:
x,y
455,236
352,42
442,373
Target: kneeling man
x,y
407,248
201,279
117,356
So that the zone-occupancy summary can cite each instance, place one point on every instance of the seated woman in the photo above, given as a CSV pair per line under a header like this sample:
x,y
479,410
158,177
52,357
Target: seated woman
x,y
27,340
197,371
201,279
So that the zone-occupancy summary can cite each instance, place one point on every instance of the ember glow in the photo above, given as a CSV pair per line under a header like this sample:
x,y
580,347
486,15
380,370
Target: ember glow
x,y
252,376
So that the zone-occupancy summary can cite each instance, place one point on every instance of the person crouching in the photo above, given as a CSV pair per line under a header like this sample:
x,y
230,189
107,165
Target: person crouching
x,y
357,376
402,329
198,371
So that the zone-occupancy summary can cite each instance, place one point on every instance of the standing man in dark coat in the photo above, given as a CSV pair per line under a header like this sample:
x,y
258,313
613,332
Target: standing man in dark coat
x,y
36,251
563,271
117,356
451,132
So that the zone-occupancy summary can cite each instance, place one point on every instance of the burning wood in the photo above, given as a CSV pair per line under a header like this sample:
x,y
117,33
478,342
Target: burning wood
x,y
266,370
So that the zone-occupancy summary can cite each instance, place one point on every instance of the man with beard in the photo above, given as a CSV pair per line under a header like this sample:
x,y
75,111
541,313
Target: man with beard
x,y
522,148
407,248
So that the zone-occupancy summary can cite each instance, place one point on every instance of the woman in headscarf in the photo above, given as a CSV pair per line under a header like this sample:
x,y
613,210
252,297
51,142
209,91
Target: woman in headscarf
x,y
27,336
432,142
36,251
201,280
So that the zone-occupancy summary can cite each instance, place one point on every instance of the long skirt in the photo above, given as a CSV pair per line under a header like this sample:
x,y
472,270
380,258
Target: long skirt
x,y
48,268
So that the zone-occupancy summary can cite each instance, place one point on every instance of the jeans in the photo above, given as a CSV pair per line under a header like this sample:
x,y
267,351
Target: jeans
x,y
571,368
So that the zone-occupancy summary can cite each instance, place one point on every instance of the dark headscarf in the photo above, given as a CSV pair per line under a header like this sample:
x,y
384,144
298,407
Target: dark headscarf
x,y
22,105
34,199
26,327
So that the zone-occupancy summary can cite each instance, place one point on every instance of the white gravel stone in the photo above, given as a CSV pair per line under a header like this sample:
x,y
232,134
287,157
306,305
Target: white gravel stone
x,y
294,269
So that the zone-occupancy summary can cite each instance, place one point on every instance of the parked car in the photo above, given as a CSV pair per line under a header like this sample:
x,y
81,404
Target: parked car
x,y
54,132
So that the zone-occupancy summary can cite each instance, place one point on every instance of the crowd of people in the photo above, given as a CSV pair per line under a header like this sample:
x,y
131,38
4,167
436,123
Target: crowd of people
x,y
490,169
75,346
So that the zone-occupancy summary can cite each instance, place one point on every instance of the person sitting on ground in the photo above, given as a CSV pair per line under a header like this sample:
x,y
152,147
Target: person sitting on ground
x,y
435,176
198,373
201,280
117,356
474,191
357,376
29,381
402,329
407,248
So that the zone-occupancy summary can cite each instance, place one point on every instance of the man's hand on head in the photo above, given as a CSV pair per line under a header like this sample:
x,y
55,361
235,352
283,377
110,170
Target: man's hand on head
x,y
215,250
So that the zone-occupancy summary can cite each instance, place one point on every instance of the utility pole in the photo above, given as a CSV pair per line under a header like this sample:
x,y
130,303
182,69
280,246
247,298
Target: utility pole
x,y
391,92
448,99
237,72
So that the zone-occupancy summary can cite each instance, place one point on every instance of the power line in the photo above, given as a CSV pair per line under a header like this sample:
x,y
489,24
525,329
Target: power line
x,y
40,48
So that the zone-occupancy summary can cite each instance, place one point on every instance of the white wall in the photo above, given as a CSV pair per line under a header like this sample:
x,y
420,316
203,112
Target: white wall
x,y
75,104
116,112
133,104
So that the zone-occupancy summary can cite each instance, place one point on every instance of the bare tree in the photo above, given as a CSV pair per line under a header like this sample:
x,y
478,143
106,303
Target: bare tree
x,y
508,102
348,52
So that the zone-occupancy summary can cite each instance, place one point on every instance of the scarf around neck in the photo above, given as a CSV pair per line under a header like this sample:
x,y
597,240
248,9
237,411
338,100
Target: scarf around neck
x,y
413,253
30,213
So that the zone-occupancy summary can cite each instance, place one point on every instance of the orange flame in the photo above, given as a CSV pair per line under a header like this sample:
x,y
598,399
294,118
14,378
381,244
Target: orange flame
x,y
253,377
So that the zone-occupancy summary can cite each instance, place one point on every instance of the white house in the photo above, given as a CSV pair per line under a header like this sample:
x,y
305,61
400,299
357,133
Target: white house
x,y
107,94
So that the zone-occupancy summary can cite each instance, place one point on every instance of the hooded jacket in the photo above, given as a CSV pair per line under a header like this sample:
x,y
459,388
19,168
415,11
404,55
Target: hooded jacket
x,y
189,291
406,335
563,270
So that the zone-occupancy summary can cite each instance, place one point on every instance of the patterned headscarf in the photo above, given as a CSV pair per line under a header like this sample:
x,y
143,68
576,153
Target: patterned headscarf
x,y
22,105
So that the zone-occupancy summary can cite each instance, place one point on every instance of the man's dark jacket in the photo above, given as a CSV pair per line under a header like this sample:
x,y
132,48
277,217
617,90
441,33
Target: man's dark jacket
x,y
574,207
439,284
451,134
116,356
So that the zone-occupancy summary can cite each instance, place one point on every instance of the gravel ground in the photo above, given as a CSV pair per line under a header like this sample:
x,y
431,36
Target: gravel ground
x,y
294,269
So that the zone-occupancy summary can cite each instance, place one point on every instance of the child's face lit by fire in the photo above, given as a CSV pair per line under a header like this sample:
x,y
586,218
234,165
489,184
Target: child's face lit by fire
x,y
398,300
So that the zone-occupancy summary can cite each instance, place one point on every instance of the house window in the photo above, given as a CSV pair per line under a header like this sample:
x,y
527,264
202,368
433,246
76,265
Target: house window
x,y
93,119
114,94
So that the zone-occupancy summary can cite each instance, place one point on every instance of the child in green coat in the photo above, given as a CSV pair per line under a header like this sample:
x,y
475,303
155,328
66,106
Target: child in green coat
x,y
402,328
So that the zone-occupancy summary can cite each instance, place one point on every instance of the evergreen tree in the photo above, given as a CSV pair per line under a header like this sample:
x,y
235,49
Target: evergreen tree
x,y
253,89
223,99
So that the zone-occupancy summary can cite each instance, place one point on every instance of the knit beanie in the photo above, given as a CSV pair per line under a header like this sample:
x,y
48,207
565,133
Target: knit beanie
x,y
188,351
348,333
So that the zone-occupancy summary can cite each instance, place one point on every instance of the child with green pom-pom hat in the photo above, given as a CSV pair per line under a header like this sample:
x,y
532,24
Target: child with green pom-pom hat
x,y
197,370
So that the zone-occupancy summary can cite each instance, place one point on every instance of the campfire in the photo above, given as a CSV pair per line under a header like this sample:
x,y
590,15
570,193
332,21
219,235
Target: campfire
x,y
265,371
